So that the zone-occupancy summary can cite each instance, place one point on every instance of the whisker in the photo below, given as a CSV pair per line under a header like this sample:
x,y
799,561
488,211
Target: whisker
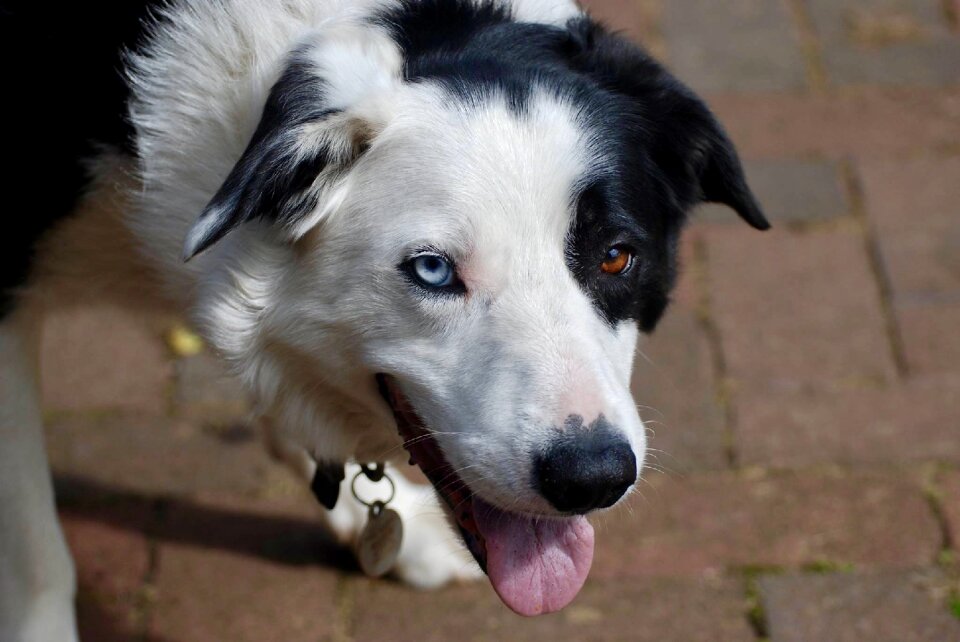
x,y
645,357
651,409
414,440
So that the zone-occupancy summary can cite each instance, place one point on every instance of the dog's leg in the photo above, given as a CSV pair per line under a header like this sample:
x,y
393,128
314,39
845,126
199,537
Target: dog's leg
x,y
431,554
37,580
90,256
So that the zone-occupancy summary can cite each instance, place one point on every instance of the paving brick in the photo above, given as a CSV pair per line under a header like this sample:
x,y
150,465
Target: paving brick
x,y
204,388
157,455
612,610
863,122
637,19
749,45
236,569
797,309
930,63
902,42
881,607
914,420
708,522
950,501
789,191
930,336
874,23
112,563
205,595
102,357
913,206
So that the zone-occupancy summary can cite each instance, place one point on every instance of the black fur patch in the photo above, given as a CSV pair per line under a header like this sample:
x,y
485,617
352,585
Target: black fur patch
x,y
669,154
434,27
683,139
272,181
605,218
326,483
474,49
64,93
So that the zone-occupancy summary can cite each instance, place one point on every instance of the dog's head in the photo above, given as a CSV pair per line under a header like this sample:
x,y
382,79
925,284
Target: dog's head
x,y
480,216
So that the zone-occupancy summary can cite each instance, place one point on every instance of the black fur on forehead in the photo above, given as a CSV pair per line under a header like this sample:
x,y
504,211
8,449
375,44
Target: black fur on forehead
x,y
472,48
423,26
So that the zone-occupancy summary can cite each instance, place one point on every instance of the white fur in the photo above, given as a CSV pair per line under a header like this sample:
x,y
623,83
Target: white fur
x,y
37,582
553,12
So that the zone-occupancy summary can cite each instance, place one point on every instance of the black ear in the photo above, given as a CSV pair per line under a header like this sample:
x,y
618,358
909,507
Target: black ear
x,y
685,139
290,169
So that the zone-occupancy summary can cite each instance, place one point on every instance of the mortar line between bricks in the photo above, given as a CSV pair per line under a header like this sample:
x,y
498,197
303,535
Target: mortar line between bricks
x,y
756,614
950,9
343,597
816,70
718,361
858,207
148,586
934,496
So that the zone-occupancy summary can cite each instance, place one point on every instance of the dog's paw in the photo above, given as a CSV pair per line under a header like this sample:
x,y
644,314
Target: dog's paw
x,y
432,554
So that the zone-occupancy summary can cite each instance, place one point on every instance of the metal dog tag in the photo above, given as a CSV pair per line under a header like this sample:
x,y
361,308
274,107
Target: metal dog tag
x,y
380,540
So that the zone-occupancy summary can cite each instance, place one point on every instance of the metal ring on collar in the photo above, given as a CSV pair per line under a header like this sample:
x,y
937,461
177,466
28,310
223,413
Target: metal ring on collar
x,y
384,502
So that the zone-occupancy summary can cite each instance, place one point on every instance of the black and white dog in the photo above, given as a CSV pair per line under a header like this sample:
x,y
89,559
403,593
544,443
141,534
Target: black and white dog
x,y
447,217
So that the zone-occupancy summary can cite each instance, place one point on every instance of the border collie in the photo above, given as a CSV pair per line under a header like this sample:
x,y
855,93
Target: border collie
x,y
438,225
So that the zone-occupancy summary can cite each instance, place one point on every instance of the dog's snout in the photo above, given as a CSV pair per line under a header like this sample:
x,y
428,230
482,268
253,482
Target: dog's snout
x,y
588,470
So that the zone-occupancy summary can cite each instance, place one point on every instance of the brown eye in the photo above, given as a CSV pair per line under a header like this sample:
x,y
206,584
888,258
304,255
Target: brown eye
x,y
619,260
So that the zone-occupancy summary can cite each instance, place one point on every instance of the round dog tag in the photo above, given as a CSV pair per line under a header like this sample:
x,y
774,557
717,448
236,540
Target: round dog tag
x,y
380,540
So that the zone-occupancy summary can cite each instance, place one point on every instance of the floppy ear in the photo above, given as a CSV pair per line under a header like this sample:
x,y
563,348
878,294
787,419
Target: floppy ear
x,y
686,141
310,134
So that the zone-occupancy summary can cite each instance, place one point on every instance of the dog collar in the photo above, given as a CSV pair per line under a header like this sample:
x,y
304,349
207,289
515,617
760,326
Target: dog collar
x,y
327,478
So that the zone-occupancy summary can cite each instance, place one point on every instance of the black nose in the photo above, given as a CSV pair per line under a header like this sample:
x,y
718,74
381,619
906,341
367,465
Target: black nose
x,y
587,470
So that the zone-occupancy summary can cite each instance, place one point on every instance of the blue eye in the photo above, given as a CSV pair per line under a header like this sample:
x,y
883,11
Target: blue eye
x,y
432,271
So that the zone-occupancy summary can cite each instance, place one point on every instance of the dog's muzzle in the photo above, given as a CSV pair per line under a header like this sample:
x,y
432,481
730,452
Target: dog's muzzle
x,y
536,563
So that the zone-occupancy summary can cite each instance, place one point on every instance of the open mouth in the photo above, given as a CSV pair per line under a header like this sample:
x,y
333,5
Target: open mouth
x,y
536,564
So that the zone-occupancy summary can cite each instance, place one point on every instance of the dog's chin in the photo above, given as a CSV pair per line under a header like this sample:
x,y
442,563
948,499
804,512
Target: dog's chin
x,y
536,563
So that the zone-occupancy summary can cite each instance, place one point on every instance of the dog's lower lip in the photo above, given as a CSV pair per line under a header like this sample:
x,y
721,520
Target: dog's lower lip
x,y
419,442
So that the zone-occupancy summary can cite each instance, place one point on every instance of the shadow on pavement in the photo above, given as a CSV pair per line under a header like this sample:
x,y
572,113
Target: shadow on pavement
x,y
282,539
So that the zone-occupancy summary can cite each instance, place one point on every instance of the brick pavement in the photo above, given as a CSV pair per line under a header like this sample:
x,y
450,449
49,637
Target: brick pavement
x,y
804,391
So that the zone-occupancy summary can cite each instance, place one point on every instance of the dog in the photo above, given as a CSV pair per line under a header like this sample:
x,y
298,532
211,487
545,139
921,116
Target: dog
x,y
431,229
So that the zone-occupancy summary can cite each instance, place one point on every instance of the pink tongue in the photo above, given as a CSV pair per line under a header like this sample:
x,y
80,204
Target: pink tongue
x,y
535,566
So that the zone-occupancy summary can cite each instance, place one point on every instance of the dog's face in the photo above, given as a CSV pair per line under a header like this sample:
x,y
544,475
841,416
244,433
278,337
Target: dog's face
x,y
486,238
483,302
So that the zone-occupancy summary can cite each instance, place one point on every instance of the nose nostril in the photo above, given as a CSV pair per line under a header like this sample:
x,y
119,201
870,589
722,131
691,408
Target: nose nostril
x,y
587,472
